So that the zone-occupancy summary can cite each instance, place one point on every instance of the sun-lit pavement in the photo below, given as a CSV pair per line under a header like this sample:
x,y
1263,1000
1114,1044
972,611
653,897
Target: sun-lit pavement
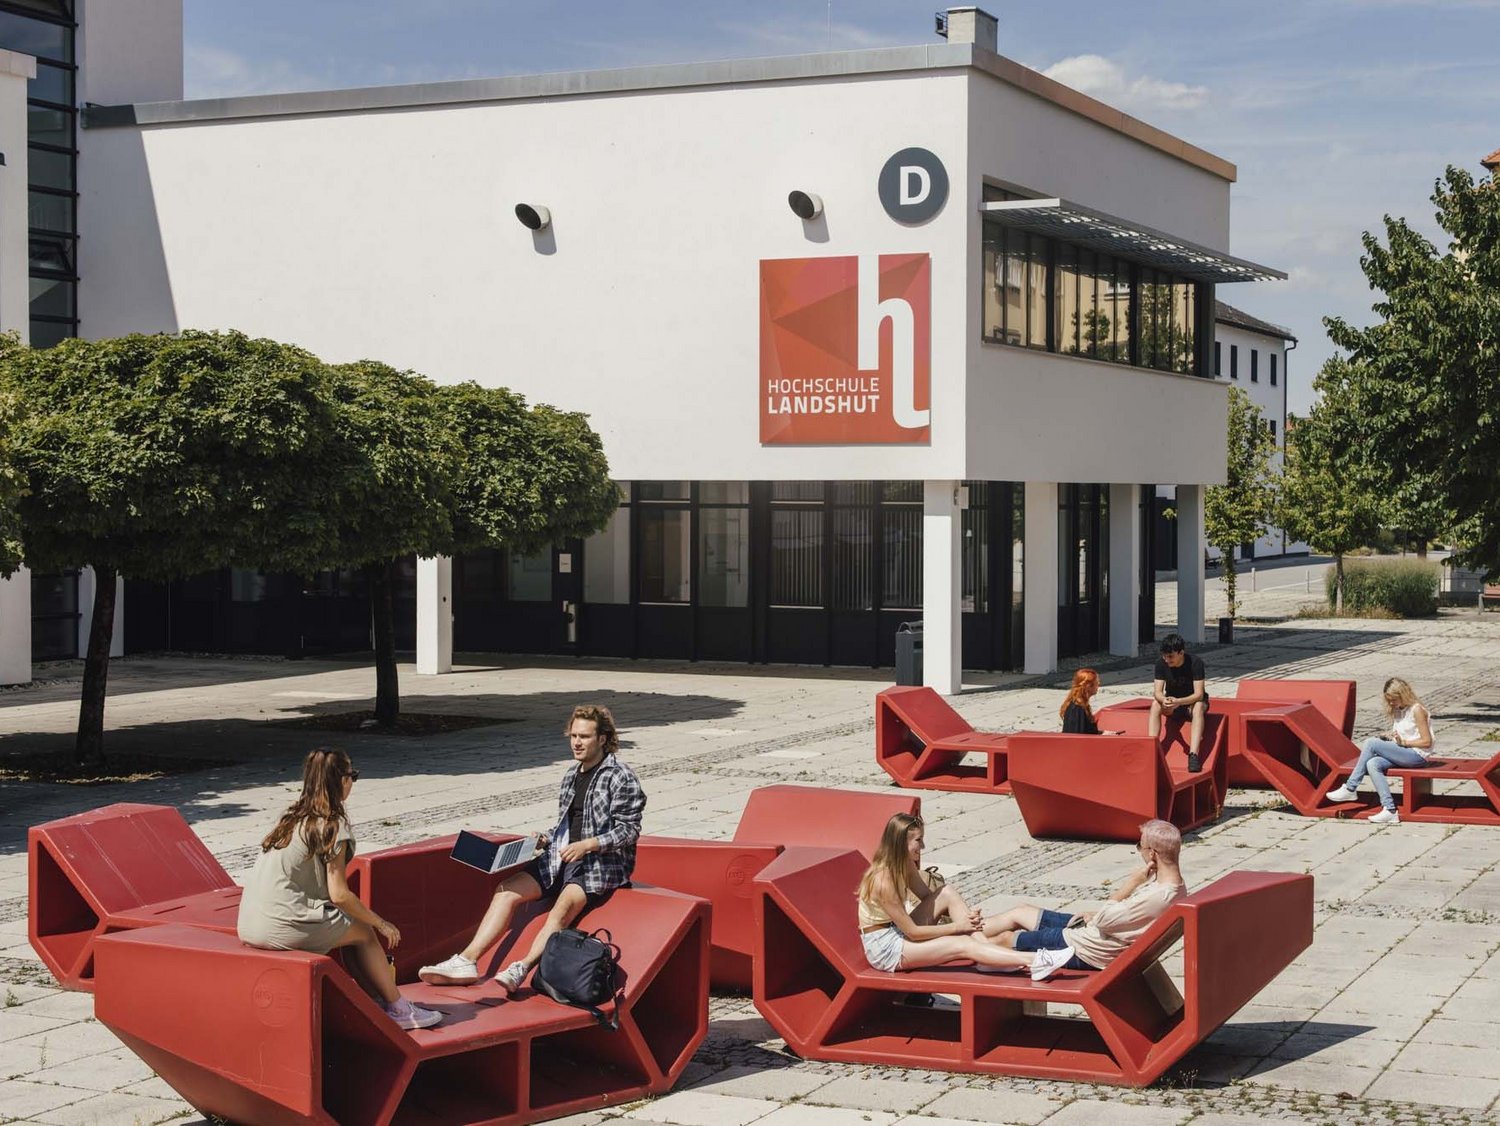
x,y
1393,1016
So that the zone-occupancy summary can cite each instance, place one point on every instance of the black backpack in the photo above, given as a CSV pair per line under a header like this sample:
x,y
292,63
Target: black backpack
x,y
582,970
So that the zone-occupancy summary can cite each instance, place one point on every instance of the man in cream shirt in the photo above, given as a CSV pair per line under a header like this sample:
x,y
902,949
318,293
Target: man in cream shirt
x,y
1090,941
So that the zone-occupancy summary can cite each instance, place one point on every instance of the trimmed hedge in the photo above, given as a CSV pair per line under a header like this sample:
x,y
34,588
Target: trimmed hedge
x,y
1406,588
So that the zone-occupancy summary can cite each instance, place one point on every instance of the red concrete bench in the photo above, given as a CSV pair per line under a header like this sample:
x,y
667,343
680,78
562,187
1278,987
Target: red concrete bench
x,y
1333,698
281,1037
724,871
921,742
814,985
1101,787
118,868
1304,756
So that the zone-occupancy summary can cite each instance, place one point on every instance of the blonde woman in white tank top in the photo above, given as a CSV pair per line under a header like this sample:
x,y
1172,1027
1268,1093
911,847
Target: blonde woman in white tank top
x,y
1408,743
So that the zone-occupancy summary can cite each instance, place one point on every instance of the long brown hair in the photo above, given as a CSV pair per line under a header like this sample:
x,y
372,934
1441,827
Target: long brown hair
x,y
1085,683
891,857
604,724
320,809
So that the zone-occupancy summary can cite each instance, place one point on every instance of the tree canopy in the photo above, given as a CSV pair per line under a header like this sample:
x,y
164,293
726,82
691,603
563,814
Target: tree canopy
x,y
11,484
1240,510
1422,383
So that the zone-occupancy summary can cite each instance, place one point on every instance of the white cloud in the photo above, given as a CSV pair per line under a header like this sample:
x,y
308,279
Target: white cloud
x,y
213,72
1106,80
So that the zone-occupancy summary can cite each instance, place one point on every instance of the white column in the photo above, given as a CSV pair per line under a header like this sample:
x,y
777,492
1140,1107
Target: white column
x,y
87,585
1040,576
15,628
15,70
434,615
942,577
1190,541
1124,569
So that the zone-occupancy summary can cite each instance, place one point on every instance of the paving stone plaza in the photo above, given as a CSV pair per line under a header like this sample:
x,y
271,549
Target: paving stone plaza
x,y
1393,1015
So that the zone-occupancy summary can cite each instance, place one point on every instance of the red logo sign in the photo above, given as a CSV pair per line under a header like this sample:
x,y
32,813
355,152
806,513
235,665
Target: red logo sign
x,y
846,350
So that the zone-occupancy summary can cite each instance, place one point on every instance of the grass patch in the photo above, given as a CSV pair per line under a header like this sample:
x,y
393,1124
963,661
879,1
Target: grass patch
x,y
112,771
415,724
1492,737
1377,613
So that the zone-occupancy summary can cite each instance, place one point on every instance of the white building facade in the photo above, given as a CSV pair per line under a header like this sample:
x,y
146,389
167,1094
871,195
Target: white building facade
x,y
867,335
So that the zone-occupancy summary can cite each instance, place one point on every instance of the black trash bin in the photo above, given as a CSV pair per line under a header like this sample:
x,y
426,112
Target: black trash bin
x,y
909,653
1226,631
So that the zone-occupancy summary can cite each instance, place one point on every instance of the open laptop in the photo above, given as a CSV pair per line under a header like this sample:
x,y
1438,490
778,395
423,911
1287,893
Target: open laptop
x,y
490,857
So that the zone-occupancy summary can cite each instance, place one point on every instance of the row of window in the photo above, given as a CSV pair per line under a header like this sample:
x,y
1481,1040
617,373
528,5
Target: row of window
x,y
1052,296
1234,362
45,29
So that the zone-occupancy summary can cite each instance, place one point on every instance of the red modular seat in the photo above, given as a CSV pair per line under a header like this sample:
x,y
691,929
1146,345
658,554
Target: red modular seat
x,y
1101,787
814,985
921,742
117,868
1303,755
724,871
289,1037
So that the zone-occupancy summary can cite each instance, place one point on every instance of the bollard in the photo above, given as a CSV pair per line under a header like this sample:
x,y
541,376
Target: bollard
x,y
1252,578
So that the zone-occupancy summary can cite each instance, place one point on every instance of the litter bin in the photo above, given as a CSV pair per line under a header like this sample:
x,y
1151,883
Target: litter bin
x,y
1226,631
909,653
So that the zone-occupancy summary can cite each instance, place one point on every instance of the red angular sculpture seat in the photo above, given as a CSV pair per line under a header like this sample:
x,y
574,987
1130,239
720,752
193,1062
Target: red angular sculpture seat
x,y
118,868
921,742
814,985
1101,787
1303,755
724,871
290,1037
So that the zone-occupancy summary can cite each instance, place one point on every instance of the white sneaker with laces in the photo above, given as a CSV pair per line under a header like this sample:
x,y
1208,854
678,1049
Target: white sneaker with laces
x,y
512,976
1386,817
1343,793
409,1016
456,970
1045,963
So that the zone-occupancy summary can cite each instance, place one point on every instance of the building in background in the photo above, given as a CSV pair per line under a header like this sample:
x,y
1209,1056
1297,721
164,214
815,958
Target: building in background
x,y
858,355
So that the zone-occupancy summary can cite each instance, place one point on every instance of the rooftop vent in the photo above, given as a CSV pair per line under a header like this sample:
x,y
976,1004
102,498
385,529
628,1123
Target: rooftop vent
x,y
968,25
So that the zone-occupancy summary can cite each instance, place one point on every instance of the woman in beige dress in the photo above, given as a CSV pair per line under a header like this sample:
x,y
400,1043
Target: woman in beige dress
x,y
298,896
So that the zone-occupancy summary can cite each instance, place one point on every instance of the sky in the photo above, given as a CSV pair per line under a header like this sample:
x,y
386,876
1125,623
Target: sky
x,y
1337,112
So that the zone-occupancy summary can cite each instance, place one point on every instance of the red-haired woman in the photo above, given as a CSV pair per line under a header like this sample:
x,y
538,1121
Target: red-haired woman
x,y
298,896
1076,714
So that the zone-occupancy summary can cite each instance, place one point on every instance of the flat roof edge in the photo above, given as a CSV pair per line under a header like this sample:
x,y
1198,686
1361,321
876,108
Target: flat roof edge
x,y
782,68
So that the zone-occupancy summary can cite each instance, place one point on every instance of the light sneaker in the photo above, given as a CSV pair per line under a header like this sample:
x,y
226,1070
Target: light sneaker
x,y
456,970
512,976
409,1016
1343,793
1386,817
1045,963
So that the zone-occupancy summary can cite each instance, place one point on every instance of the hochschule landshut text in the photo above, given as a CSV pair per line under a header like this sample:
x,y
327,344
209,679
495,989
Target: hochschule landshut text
x,y
833,395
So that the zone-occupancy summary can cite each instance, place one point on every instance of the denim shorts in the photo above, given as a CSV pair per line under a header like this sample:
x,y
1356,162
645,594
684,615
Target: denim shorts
x,y
883,948
1049,936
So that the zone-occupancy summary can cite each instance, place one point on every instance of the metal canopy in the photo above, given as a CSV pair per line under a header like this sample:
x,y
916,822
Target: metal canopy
x,y
1083,226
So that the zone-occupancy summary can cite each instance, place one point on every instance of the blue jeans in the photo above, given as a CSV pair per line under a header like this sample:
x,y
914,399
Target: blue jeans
x,y
1379,756
1049,936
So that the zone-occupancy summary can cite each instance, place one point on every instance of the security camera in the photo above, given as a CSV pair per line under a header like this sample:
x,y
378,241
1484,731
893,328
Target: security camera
x,y
532,217
805,205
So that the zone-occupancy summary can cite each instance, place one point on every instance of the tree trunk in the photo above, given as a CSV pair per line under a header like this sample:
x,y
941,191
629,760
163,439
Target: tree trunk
x,y
383,617
88,749
1422,548
1230,578
1338,584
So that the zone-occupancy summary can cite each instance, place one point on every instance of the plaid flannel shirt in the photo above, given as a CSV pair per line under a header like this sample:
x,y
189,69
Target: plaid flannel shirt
x,y
612,811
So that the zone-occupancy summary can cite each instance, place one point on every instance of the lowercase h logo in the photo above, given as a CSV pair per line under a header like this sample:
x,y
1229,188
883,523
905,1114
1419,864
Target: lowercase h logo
x,y
846,350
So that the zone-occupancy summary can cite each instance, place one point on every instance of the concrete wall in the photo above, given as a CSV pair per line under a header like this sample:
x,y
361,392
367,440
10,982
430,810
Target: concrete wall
x,y
129,51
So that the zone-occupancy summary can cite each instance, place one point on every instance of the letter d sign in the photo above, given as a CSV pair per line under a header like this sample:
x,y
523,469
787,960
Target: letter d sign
x,y
913,186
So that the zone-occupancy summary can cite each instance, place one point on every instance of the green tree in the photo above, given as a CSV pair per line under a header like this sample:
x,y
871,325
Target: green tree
x,y
11,483
162,457
1325,498
1240,510
1425,377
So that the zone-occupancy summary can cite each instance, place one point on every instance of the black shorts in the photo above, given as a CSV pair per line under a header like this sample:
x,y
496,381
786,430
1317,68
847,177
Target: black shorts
x,y
1184,712
569,873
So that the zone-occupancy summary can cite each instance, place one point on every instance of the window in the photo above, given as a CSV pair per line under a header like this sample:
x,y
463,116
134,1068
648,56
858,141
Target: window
x,y
797,556
530,577
606,561
1254,365
1271,422
1274,358
666,554
1218,355
1015,268
724,543
1234,361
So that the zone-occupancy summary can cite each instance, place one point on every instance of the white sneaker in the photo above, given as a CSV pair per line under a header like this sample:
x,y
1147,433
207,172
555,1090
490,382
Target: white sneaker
x,y
1386,817
512,976
1045,963
1343,793
409,1016
456,970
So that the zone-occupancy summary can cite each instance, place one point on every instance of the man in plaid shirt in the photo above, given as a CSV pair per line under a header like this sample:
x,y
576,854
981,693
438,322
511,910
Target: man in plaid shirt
x,y
587,855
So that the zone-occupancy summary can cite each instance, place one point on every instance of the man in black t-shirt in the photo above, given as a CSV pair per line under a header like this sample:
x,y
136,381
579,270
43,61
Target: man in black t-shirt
x,y
1180,692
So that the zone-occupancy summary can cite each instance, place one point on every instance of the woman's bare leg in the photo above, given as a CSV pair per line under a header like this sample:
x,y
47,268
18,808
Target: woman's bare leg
x,y
960,948
370,964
